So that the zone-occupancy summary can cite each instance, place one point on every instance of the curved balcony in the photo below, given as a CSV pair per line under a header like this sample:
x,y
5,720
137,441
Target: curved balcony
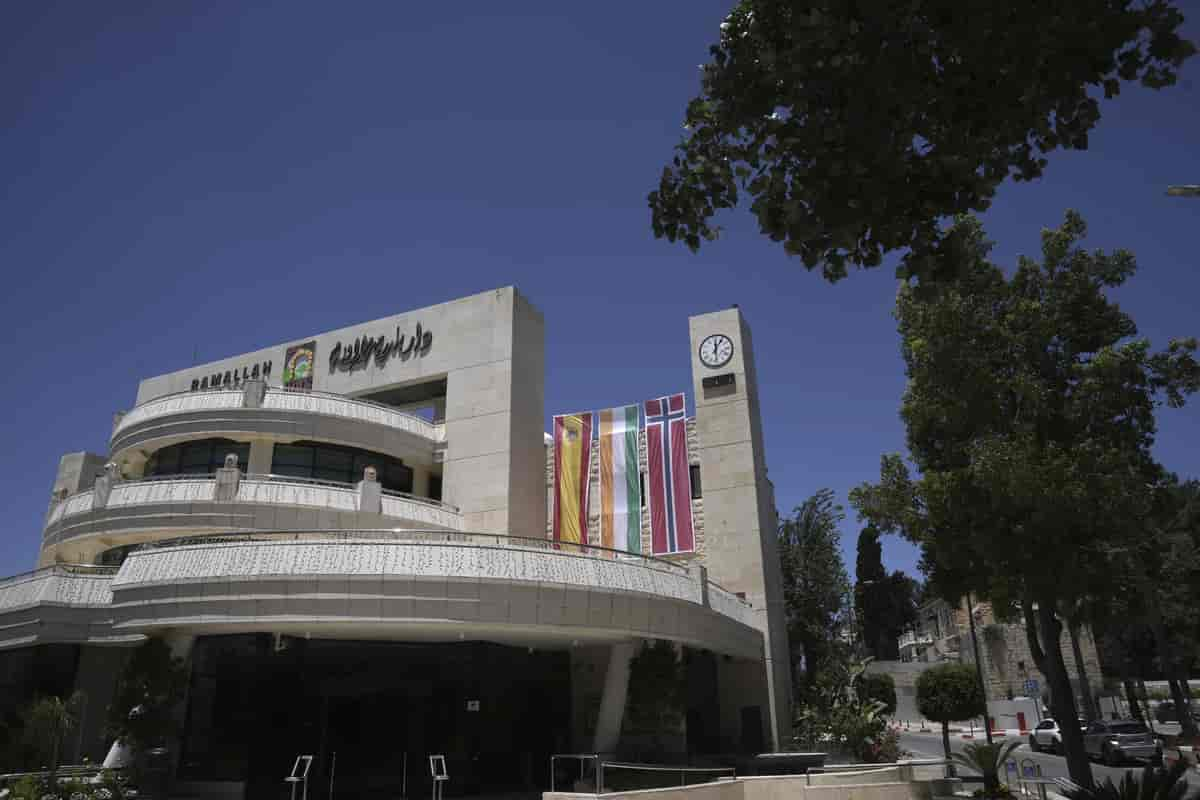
x,y
258,411
65,603
425,585
140,510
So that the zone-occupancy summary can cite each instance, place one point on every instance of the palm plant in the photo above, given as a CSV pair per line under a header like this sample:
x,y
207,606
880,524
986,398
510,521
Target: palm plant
x,y
987,760
1155,783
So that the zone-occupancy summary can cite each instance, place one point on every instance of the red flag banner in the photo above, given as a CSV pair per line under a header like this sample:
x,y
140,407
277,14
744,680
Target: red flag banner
x,y
668,477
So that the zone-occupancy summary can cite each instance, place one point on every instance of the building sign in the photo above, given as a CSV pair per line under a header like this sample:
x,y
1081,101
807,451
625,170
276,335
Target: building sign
x,y
359,352
298,366
232,378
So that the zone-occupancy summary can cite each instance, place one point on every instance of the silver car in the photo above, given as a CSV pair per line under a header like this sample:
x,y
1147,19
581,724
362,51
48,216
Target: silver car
x,y
1117,741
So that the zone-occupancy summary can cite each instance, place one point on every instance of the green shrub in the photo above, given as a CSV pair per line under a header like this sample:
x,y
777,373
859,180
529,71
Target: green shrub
x,y
880,688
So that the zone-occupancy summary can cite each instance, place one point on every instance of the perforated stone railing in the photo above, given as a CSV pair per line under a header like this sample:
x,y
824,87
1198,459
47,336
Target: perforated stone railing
x,y
270,490
337,406
179,404
320,403
63,585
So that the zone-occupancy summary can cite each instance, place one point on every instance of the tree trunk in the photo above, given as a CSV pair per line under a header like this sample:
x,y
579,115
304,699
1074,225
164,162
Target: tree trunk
x,y
1085,687
1062,699
1135,708
950,770
1187,726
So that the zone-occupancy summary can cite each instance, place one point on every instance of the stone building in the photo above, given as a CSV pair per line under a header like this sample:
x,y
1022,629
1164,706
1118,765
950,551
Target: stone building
x,y
344,539
943,634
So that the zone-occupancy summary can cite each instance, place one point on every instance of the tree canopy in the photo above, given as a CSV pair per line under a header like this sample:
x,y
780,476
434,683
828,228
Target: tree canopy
x,y
885,605
855,128
1030,414
949,693
816,587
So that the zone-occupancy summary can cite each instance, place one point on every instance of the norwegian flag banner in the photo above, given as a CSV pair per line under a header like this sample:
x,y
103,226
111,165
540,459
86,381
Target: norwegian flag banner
x,y
668,479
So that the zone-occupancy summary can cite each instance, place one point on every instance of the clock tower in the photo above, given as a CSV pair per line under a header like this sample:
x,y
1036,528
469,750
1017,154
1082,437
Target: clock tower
x,y
740,521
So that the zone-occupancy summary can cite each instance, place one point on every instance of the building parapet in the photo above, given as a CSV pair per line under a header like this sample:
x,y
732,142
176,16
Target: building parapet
x,y
434,582
256,396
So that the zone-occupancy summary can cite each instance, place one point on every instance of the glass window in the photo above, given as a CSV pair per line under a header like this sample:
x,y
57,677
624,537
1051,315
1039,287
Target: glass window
x,y
694,472
328,462
199,457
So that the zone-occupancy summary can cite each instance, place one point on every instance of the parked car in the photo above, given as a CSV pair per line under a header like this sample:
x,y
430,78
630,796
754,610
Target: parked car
x,y
1117,741
1166,712
1047,736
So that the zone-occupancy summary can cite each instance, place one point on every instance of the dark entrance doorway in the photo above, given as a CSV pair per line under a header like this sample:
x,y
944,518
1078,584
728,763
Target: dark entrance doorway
x,y
371,713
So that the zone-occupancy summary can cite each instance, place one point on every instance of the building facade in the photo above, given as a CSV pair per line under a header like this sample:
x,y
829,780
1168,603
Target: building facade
x,y
943,633
345,539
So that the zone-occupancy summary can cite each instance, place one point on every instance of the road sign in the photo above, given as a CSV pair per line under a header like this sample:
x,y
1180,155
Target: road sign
x,y
1031,687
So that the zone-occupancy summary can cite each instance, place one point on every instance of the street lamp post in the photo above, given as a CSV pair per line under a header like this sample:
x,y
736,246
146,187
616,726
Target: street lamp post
x,y
987,722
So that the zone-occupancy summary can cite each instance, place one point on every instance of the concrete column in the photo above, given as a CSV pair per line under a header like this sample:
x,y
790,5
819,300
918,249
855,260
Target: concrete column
x,y
228,478
261,453
104,485
612,702
253,392
370,493
420,485
699,574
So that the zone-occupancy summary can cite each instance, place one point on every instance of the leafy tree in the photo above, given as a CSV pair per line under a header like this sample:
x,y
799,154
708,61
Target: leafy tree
x,y
878,687
815,584
855,127
48,720
655,702
148,692
949,693
1030,414
885,605
1155,783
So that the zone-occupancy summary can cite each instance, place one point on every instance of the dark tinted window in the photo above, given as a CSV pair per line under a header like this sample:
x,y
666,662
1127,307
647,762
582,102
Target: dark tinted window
x,y
1127,727
200,457
327,462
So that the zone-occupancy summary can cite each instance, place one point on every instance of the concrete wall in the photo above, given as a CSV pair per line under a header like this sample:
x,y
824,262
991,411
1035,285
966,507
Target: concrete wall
x,y
489,349
77,472
739,505
783,787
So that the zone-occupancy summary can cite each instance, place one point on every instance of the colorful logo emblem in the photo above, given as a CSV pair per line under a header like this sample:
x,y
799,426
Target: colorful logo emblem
x,y
298,366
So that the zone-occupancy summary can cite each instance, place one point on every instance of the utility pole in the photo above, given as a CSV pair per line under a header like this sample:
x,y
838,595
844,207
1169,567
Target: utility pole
x,y
987,721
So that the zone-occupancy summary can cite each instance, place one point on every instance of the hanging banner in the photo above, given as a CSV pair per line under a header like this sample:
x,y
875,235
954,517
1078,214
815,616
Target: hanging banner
x,y
620,492
572,462
668,478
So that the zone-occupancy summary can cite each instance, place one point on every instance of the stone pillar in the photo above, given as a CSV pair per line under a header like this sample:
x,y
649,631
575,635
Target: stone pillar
x,y
612,702
104,485
261,453
228,478
253,392
370,493
117,417
420,486
699,574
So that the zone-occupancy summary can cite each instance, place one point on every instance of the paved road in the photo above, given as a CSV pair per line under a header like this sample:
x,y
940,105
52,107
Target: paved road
x,y
929,745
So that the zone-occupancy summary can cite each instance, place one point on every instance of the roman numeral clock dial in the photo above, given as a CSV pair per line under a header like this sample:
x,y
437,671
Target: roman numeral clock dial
x,y
716,350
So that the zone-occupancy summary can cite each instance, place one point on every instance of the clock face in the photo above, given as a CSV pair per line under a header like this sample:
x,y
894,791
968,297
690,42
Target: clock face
x,y
716,350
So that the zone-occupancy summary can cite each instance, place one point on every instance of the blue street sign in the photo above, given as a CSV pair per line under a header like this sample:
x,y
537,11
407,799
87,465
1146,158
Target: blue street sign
x,y
1031,687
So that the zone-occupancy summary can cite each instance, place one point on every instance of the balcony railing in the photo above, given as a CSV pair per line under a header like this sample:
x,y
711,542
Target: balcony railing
x,y
267,489
308,402
911,639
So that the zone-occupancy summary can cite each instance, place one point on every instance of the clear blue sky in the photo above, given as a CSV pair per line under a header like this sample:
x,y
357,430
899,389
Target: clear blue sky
x,y
189,178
